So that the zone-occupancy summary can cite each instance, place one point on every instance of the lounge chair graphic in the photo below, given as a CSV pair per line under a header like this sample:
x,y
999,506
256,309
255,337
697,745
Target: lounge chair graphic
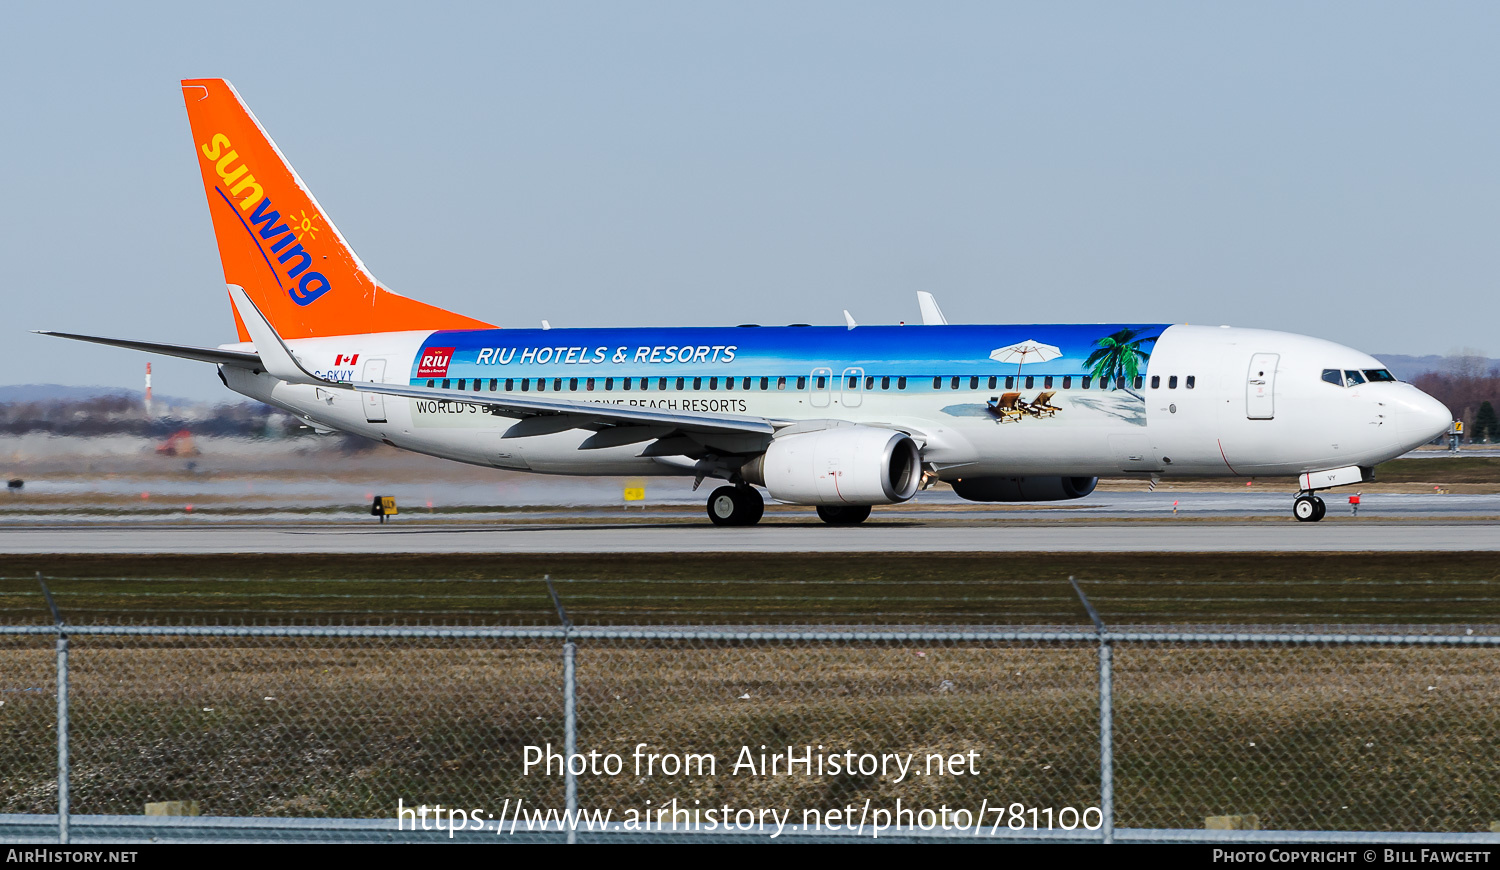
x,y
1005,407
1041,406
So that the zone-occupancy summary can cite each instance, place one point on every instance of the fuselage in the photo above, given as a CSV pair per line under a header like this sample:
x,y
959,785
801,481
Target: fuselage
x,y
1125,399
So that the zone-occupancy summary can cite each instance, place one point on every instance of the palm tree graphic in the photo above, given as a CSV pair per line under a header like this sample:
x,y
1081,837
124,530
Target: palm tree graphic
x,y
1118,356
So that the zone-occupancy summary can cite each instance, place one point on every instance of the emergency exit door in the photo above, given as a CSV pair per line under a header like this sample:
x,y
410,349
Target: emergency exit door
x,y
1260,387
374,402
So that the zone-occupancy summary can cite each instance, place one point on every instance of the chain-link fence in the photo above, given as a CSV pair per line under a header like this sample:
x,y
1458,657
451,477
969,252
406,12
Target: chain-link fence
x,y
343,732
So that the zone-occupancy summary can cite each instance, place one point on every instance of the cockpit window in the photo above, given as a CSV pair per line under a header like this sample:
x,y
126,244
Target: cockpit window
x,y
1376,376
1353,378
1334,376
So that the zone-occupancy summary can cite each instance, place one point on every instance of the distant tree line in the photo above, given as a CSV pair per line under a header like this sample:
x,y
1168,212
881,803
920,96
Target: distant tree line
x,y
126,415
1470,387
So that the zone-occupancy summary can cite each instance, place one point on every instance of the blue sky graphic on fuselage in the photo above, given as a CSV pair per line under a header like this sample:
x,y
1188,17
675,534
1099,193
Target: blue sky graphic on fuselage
x,y
910,351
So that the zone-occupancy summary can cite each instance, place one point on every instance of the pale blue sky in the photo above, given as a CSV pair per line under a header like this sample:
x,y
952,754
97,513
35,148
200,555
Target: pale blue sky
x,y
1328,168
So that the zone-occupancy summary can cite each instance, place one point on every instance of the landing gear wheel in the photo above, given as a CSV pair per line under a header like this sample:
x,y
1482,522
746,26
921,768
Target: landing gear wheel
x,y
844,515
1308,509
735,506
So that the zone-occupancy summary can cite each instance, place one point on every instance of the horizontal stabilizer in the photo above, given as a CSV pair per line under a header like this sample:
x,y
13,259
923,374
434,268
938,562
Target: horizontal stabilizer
x,y
243,359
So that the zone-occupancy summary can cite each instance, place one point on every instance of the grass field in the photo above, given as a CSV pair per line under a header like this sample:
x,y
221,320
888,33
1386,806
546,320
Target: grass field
x,y
1333,738
1309,737
964,588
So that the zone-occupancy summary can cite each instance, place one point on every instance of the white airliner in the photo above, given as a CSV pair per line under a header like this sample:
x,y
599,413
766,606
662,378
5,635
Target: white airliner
x,y
841,418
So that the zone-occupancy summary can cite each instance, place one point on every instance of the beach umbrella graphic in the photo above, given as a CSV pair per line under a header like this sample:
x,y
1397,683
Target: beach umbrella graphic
x,y
1023,352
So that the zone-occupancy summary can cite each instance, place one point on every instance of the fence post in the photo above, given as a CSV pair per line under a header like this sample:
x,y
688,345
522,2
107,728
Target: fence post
x,y
1106,741
1106,721
62,739
570,715
62,713
570,736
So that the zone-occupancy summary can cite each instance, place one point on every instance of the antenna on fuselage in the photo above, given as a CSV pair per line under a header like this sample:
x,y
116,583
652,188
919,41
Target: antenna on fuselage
x,y
849,319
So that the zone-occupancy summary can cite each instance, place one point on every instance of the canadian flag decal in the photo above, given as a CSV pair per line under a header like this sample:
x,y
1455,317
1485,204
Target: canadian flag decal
x,y
346,360
433,362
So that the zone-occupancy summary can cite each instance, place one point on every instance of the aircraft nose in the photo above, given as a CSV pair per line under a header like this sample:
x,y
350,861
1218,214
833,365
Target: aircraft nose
x,y
1423,418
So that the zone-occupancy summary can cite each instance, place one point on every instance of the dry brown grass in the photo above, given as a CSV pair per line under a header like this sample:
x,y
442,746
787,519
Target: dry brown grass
x,y
1346,738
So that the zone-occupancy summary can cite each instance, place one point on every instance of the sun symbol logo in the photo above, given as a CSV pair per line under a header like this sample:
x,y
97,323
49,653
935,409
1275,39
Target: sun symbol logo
x,y
307,226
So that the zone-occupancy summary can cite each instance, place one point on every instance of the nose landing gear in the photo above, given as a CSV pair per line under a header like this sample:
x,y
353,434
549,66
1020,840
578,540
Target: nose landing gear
x,y
1308,508
735,506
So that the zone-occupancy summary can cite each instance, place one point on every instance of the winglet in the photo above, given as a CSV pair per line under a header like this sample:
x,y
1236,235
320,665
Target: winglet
x,y
275,356
932,315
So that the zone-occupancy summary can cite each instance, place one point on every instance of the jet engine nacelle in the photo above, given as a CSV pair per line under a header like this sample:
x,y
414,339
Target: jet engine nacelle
x,y
1024,488
855,465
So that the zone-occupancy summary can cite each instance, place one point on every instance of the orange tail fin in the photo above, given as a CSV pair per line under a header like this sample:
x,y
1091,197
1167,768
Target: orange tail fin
x,y
277,242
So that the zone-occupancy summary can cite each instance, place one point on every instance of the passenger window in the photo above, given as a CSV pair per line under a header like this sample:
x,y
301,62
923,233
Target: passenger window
x,y
573,384
446,383
1192,381
1172,382
781,383
765,384
609,383
1334,376
713,383
697,383
1047,382
625,383
974,383
589,384
729,383
1138,381
431,382
1010,382
1156,382
661,383
557,384
463,383
937,383
1088,380
955,383
822,382
1378,376
525,385
853,382
510,385
494,384
901,383
992,382
541,385
1119,383
802,382
1030,382
885,383
1067,382
680,382
1353,378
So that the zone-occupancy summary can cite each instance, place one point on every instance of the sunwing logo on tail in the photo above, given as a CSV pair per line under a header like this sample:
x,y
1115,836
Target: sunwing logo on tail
x,y
240,190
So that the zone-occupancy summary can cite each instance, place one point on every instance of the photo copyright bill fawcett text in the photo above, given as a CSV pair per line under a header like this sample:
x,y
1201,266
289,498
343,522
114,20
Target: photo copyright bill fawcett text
x,y
669,814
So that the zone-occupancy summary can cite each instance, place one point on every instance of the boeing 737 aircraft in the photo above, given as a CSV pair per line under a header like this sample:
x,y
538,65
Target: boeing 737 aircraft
x,y
841,418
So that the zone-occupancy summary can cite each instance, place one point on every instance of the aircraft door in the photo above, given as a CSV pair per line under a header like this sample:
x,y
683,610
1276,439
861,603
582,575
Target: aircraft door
x,y
1260,387
852,386
820,388
374,402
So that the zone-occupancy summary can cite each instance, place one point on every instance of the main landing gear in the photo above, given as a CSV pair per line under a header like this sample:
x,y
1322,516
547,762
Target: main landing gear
x,y
735,506
1308,508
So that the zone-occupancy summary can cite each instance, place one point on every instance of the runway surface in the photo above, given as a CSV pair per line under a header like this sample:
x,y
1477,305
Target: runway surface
x,y
1007,540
